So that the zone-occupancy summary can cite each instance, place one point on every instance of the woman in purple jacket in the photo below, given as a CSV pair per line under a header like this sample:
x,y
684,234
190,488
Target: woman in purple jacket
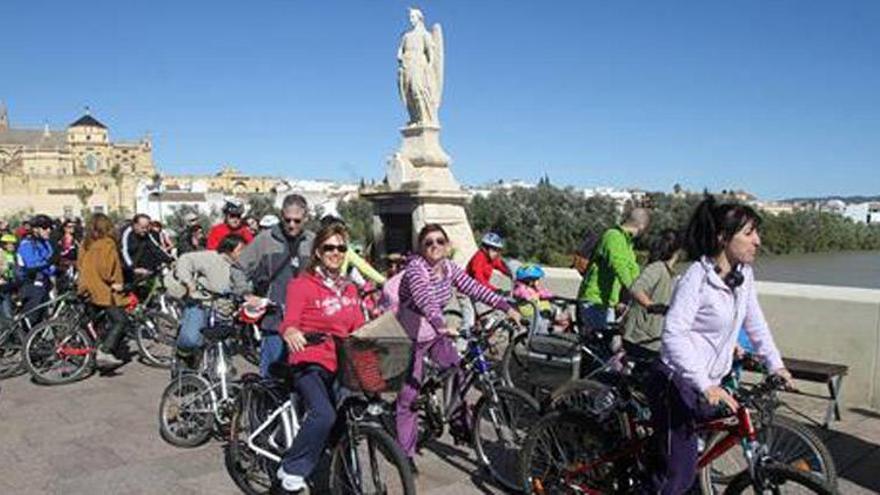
x,y
425,290
713,299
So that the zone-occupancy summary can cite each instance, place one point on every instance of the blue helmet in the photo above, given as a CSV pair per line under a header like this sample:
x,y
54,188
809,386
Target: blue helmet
x,y
493,240
529,272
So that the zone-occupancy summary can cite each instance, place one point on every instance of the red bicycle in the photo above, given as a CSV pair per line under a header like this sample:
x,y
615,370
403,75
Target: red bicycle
x,y
579,451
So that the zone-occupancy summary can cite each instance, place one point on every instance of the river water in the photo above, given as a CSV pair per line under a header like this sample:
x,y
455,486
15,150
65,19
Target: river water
x,y
845,268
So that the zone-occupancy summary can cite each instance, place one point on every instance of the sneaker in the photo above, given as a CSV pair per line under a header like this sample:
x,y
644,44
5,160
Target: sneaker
x,y
107,359
291,482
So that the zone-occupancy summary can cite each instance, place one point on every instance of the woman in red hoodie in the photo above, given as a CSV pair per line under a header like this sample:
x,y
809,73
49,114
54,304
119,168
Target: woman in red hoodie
x,y
321,300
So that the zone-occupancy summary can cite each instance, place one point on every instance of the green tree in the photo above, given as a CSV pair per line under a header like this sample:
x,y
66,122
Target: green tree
x,y
358,214
259,205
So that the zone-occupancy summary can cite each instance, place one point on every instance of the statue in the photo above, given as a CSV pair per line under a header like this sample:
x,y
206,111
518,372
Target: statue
x,y
420,71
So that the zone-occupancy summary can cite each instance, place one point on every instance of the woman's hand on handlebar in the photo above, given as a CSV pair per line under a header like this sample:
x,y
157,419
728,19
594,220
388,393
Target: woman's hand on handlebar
x,y
295,340
786,375
716,395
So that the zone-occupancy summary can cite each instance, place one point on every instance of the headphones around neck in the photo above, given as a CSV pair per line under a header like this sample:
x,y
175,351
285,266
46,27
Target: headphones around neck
x,y
734,278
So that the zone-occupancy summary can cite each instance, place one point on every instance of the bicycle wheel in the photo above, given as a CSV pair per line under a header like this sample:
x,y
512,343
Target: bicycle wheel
x,y
560,456
501,424
11,346
515,364
58,352
186,412
788,442
156,336
252,473
371,464
779,479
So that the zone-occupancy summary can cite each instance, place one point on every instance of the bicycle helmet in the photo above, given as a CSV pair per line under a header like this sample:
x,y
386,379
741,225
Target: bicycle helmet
x,y
493,240
8,239
529,272
233,207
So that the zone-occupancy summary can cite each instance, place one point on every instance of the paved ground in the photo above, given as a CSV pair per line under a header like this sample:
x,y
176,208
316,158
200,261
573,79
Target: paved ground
x,y
100,436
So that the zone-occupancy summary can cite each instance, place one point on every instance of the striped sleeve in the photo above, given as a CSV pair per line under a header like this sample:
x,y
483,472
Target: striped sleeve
x,y
475,290
417,278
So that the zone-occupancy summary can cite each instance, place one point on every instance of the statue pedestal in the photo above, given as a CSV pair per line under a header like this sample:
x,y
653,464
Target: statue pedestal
x,y
420,189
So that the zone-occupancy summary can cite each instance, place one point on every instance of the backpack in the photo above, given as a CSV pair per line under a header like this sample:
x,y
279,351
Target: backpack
x,y
581,258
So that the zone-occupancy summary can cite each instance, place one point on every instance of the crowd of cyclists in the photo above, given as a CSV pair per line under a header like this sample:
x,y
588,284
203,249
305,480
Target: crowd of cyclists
x,y
682,327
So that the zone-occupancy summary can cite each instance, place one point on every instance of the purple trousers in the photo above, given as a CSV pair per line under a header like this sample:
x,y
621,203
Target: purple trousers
x,y
441,351
676,409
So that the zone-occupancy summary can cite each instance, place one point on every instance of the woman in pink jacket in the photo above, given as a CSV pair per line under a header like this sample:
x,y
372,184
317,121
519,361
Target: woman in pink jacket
x,y
713,299
425,290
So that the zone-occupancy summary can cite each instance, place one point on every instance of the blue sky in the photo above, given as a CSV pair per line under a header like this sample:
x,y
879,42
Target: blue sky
x,y
778,97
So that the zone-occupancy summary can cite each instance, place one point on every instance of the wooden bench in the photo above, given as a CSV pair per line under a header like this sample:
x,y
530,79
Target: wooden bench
x,y
819,372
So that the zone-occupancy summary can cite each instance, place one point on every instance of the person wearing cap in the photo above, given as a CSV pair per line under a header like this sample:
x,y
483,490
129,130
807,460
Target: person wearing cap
x,y
233,223
268,221
34,268
191,219
7,273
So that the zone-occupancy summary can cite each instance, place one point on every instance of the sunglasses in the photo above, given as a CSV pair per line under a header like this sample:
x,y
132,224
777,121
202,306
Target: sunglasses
x,y
439,241
295,221
329,248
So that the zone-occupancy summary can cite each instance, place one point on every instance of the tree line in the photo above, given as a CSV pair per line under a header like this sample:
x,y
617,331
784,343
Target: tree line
x,y
546,223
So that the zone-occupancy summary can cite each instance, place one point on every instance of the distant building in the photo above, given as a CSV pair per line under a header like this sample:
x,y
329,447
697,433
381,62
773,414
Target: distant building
x,y
64,172
863,212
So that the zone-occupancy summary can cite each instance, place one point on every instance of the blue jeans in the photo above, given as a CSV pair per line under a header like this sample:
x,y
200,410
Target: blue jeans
x,y
6,305
594,316
314,386
192,321
272,350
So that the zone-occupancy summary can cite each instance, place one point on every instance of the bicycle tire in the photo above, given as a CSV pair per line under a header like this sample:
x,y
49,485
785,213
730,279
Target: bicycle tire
x,y
156,338
252,474
502,460
779,475
40,351
12,340
514,364
377,441
821,465
584,441
196,427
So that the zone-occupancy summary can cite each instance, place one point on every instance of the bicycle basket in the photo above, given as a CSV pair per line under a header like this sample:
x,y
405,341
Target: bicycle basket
x,y
374,365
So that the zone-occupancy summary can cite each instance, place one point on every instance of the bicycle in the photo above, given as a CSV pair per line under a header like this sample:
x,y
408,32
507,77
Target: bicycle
x,y
364,458
502,415
576,451
13,333
62,349
200,402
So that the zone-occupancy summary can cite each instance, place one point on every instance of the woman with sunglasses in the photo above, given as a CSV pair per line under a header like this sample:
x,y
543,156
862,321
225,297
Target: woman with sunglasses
x,y
425,290
320,301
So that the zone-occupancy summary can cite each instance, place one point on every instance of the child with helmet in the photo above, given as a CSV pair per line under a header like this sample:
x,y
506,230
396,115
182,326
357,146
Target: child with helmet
x,y
530,289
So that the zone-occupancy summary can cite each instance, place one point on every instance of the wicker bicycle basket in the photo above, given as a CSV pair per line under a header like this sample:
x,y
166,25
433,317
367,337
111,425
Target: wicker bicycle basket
x,y
374,365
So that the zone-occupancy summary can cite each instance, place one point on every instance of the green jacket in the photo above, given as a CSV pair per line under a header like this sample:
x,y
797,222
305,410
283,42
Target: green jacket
x,y
613,266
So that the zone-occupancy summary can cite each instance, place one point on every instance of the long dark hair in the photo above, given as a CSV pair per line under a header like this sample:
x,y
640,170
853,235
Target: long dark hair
x,y
713,225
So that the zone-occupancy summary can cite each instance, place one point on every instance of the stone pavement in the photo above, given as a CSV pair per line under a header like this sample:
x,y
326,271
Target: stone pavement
x,y
101,436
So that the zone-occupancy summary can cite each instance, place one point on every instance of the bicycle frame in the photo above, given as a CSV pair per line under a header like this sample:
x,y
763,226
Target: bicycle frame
x,y
290,425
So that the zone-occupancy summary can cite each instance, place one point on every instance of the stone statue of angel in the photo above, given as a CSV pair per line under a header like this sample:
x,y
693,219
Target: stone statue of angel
x,y
420,71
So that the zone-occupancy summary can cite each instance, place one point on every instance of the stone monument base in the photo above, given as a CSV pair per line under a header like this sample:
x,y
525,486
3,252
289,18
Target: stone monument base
x,y
398,216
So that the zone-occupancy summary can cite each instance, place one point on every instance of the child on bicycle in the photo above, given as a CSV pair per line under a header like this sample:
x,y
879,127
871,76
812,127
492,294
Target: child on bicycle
x,y
529,288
